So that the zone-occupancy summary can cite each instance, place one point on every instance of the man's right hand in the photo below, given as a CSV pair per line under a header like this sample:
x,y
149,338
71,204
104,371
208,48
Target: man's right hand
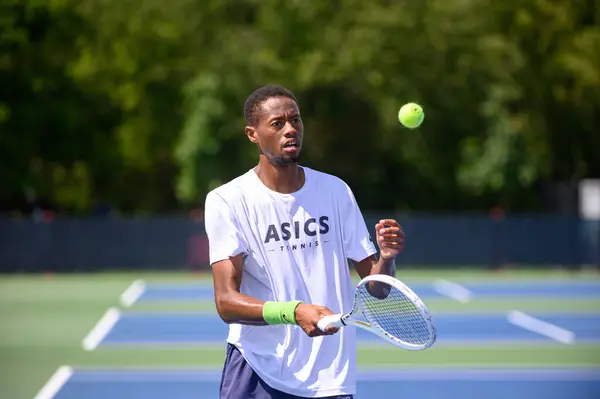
x,y
307,317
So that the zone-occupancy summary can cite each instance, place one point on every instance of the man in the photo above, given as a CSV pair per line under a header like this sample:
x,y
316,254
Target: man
x,y
280,237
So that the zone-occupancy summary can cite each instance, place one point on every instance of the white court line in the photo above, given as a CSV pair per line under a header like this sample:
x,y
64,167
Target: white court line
x,y
452,290
133,293
55,383
101,329
541,327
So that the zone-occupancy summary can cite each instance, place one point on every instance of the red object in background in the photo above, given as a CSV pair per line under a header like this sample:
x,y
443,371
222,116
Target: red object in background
x,y
198,251
197,215
497,213
48,216
43,215
497,262
198,244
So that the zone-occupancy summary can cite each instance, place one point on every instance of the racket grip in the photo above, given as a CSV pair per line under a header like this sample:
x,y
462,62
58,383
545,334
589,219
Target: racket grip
x,y
333,320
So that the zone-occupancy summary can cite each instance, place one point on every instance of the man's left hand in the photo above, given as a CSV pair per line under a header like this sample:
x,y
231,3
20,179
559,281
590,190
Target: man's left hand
x,y
390,238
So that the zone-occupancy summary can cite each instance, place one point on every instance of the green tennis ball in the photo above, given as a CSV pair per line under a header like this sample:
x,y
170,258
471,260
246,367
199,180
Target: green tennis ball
x,y
411,115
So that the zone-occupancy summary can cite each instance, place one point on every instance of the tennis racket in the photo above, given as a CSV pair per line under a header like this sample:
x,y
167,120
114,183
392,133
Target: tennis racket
x,y
391,310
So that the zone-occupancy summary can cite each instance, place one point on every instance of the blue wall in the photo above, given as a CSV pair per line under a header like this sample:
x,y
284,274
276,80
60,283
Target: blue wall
x,y
176,243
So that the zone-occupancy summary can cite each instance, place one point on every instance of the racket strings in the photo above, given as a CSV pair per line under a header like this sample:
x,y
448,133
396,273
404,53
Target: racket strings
x,y
389,309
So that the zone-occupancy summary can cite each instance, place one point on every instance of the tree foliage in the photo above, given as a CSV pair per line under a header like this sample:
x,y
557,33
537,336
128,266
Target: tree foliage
x,y
139,103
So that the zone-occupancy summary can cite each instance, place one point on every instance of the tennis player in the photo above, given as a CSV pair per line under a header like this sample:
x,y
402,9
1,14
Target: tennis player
x,y
280,237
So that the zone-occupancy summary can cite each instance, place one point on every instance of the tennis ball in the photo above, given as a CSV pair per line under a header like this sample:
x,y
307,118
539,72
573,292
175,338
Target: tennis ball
x,y
411,115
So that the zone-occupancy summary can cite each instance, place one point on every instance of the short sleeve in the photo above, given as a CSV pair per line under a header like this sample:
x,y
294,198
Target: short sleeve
x,y
357,240
225,238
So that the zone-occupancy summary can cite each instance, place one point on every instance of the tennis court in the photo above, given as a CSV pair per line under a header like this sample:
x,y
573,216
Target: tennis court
x,y
158,336
190,384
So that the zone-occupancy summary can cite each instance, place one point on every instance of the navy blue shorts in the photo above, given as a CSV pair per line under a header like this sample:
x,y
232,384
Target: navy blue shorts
x,y
239,381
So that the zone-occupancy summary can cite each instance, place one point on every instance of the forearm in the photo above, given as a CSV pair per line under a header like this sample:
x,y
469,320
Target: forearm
x,y
372,265
234,307
384,266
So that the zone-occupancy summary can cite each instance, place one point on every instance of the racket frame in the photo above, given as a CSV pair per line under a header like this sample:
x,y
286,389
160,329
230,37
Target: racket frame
x,y
345,319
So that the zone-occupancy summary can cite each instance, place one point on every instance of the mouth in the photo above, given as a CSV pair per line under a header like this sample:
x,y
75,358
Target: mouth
x,y
291,146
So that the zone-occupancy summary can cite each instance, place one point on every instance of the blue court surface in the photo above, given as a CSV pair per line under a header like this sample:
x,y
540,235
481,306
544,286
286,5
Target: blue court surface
x,y
198,328
580,289
431,383
160,329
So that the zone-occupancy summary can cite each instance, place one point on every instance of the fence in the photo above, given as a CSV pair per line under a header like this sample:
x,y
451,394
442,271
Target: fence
x,y
180,243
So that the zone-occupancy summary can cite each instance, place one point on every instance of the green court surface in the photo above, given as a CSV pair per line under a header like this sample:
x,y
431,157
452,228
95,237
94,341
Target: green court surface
x,y
46,317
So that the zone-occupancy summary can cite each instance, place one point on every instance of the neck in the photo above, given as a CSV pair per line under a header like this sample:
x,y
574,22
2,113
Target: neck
x,y
284,179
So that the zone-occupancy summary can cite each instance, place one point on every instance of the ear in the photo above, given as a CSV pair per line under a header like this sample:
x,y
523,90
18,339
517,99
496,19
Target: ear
x,y
251,133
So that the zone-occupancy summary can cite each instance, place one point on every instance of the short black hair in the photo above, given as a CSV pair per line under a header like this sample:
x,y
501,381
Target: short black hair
x,y
260,95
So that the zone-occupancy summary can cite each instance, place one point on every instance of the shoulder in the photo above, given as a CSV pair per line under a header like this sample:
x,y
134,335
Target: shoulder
x,y
228,193
336,187
329,182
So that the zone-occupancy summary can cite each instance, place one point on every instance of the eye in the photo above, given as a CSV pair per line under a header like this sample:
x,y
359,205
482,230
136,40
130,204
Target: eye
x,y
276,123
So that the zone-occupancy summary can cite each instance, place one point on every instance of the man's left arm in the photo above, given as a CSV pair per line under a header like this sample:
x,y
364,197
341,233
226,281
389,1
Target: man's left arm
x,y
390,240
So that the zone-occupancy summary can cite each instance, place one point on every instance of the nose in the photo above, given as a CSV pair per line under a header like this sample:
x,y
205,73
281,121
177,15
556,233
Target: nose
x,y
290,130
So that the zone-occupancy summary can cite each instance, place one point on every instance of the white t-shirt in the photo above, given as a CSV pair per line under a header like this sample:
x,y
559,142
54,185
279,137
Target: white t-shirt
x,y
296,247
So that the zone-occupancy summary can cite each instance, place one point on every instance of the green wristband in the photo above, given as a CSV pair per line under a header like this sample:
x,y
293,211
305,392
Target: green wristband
x,y
280,312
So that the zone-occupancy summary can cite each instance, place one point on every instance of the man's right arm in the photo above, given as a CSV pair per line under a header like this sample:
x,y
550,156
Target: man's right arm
x,y
233,306
227,249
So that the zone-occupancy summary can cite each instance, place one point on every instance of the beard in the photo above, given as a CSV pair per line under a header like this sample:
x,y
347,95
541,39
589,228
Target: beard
x,y
282,159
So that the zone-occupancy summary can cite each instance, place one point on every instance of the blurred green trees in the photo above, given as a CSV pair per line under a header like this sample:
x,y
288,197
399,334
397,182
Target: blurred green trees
x,y
139,103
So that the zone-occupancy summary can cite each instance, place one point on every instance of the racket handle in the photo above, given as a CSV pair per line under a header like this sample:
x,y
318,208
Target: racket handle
x,y
333,320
